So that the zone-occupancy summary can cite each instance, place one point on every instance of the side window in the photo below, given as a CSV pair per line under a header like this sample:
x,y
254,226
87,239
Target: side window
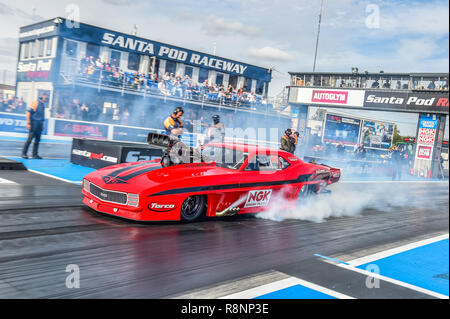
x,y
283,163
263,163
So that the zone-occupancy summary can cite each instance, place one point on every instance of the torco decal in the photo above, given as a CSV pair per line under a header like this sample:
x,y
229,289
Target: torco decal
x,y
161,207
258,198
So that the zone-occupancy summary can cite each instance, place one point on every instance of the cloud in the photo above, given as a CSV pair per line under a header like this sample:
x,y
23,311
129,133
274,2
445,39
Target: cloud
x,y
215,26
269,54
10,11
119,2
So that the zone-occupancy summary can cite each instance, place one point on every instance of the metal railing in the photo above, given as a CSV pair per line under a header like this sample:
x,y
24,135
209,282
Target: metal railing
x,y
127,82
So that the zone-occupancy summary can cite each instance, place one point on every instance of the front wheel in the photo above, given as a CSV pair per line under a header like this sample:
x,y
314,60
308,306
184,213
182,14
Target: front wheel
x,y
192,208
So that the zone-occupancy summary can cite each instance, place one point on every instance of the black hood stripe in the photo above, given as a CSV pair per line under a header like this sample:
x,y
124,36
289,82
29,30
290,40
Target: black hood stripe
x,y
300,179
140,172
124,169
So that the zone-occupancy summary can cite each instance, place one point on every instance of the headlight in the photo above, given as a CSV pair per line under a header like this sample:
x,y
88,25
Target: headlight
x,y
133,200
86,185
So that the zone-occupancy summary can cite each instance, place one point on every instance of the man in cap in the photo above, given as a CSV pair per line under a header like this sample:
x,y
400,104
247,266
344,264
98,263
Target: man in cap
x,y
173,124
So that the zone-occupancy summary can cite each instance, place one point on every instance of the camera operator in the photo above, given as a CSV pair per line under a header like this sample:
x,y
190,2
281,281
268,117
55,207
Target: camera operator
x,y
287,141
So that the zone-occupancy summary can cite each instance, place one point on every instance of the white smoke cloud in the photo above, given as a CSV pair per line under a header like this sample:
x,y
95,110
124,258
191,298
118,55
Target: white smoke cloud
x,y
347,199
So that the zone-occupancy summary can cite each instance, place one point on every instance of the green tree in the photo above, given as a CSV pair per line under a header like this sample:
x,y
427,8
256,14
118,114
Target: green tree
x,y
397,137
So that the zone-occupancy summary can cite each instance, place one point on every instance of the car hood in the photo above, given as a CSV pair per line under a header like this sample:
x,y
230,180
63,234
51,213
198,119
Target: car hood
x,y
151,177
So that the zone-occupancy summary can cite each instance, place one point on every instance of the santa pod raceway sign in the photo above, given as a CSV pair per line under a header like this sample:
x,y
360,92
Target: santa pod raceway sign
x,y
435,102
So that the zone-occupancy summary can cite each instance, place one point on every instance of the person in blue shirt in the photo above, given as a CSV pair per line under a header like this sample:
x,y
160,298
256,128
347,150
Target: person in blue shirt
x,y
35,117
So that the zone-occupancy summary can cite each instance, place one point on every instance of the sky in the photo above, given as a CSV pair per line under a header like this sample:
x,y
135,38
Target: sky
x,y
394,35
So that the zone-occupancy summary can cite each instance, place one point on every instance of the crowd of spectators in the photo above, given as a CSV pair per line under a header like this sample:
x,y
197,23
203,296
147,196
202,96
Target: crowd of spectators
x,y
95,70
13,105
76,110
372,84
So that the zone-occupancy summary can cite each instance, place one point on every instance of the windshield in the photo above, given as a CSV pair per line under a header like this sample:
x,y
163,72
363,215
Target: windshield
x,y
224,157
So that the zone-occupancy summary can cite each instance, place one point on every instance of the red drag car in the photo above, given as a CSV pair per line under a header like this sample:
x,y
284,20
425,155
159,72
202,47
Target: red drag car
x,y
221,179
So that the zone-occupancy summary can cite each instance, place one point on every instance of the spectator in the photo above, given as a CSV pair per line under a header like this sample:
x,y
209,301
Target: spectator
x,y
195,91
95,112
162,88
340,149
84,112
74,110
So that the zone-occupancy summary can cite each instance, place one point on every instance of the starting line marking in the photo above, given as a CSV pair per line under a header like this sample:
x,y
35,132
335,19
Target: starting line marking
x,y
394,251
353,264
282,284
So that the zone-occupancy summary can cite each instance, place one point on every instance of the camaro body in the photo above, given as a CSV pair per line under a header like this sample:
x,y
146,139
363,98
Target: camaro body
x,y
255,178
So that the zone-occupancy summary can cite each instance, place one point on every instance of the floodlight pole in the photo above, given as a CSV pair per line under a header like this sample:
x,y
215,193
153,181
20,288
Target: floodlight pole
x,y
318,32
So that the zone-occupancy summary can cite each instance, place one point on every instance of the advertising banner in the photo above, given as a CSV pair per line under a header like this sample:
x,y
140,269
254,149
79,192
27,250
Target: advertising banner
x,y
426,136
15,123
338,97
403,101
36,70
80,129
377,135
93,154
339,128
130,134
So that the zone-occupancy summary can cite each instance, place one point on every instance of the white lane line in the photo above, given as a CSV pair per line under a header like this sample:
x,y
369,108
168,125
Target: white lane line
x,y
386,253
6,181
282,284
55,177
370,274
232,286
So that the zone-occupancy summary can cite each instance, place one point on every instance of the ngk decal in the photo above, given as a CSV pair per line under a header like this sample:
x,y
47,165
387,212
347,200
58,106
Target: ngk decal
x,y
157,207
426,136
258,198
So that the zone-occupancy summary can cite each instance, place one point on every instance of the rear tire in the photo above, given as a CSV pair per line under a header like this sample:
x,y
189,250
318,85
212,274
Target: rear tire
x,y
193,208
305,193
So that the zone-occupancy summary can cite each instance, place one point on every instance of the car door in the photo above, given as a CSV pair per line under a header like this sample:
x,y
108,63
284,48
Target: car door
x,y
262,181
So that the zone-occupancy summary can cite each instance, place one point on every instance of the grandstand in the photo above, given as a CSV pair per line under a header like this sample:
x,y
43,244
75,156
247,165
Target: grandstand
x,y
94,74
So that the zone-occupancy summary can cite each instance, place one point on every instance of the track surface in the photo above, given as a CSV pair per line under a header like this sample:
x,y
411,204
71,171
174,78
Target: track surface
x,y
43,228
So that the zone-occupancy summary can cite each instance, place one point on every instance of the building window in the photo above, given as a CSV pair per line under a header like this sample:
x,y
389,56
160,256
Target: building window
x,y
233,80
41,46
25,48
133,61
33,49
188,70
203,75
48,47
247,85
92,50
171,67
71,48
115,58
219,79
259,87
